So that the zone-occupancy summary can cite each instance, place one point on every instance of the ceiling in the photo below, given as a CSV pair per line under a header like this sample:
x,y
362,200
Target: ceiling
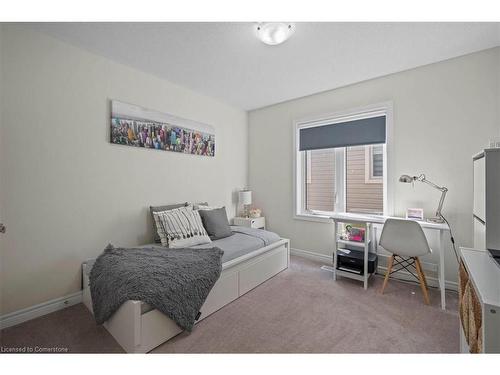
x,y
226,60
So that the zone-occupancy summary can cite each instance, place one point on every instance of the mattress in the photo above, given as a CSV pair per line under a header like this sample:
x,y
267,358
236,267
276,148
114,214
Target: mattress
x,y
243,241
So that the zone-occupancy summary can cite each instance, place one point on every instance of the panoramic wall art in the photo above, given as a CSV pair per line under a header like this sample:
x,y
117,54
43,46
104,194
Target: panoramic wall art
x,y
135,126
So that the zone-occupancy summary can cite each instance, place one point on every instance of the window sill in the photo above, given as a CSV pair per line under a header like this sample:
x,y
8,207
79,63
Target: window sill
x,y
322,218
317,218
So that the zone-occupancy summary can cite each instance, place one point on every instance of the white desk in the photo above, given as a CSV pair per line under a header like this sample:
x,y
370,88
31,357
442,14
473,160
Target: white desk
x,y
368,220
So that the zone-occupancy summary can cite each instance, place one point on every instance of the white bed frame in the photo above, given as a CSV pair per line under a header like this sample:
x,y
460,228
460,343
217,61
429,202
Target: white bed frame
x,y
139,332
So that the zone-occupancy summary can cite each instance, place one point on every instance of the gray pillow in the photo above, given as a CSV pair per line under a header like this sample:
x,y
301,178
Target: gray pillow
x,y
159,209
216,223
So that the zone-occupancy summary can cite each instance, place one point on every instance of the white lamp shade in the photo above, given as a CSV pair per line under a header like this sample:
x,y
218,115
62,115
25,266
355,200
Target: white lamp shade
x,y
245,197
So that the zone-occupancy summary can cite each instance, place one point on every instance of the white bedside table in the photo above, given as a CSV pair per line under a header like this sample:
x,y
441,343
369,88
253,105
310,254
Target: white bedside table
x,y
251,222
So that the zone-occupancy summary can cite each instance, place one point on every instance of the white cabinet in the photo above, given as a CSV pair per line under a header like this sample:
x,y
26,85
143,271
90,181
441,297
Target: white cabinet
x,y
479,234
479,284
251,222
486,206
479,270
480,188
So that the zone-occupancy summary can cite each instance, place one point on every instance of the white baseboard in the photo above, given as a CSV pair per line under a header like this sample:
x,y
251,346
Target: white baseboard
x,y
21,316
431,281
426,266
404,275
311,255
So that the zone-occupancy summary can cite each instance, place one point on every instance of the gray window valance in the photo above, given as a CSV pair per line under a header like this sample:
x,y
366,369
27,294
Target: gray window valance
x,y
367,131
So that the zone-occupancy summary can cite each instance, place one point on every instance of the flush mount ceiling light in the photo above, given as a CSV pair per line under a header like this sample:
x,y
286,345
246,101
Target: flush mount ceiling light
x,y
274,33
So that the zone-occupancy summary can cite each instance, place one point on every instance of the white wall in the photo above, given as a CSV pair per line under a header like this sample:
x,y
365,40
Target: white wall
x,y
443,114
68,192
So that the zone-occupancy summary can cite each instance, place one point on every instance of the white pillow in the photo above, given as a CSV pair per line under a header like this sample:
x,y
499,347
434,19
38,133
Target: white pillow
x,y
180,227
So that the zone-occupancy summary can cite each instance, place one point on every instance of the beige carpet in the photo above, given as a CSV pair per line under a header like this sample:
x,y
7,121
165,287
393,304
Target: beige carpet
x,y
301,310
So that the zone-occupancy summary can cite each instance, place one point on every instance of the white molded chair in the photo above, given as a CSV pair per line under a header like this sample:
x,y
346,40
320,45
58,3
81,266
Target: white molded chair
x,y
406,240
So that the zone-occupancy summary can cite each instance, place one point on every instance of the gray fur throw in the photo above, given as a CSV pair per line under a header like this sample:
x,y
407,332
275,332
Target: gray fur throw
x,y
173,281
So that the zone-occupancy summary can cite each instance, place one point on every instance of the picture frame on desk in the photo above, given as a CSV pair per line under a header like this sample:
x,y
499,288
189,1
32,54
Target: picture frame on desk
x,y
415,214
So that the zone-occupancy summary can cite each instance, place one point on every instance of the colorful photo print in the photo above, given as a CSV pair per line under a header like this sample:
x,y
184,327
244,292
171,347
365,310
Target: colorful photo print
x,y
132,125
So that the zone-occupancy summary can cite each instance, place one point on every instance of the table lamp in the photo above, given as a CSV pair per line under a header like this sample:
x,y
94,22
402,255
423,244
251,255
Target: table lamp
x,y
407,179
245,198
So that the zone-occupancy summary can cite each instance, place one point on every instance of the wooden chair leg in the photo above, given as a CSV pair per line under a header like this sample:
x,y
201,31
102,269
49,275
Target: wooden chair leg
x,y
389,269
417,260
423,282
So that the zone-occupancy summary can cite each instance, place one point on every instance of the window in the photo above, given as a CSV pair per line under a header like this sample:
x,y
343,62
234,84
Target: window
x,y
349,177
320,180
374,164
363,197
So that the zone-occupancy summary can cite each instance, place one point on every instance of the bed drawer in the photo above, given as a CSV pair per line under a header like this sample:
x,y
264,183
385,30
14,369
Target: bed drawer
x,y
224,291
262,269
155,328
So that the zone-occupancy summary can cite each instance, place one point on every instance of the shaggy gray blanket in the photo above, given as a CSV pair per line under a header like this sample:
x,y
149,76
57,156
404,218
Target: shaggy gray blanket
x,y
174,281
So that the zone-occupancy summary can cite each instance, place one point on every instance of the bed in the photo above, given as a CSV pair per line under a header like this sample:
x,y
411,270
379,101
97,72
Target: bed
x,y
251,256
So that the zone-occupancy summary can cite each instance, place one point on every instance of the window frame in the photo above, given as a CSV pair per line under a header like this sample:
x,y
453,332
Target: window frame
x,y
299,181
369,177
339,198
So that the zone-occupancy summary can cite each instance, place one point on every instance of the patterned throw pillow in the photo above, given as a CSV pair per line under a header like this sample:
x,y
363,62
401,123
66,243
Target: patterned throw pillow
x,y
181,227
153,209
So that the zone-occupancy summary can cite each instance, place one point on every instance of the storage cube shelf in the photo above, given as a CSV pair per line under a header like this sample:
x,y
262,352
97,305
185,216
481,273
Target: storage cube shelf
x,y
341,244
360,245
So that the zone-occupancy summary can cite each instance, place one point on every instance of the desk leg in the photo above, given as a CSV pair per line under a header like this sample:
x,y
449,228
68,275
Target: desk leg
x,y
335,244
441,269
